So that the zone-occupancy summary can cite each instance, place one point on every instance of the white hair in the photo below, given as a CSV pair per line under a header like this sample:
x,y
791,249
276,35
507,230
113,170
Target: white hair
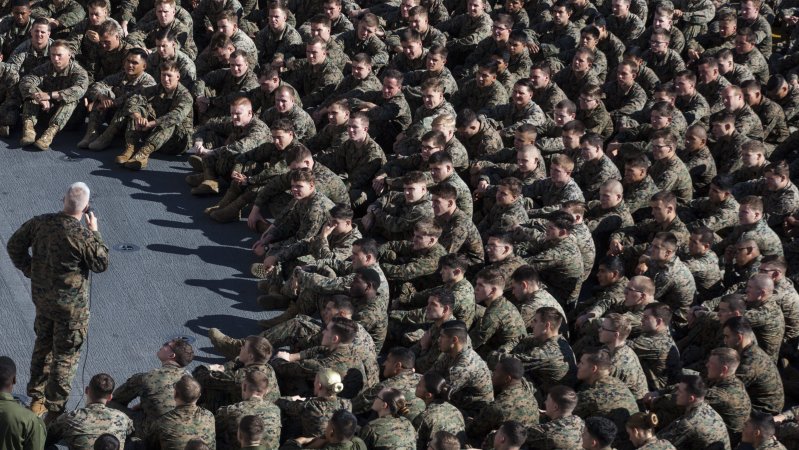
x,y
77,198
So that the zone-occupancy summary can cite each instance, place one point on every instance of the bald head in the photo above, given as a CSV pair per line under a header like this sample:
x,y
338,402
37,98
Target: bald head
x,y
77,198
762,282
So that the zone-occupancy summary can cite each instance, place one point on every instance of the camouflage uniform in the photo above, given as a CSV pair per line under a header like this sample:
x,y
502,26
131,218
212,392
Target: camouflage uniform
x,y
389,432
549,196
395,218
327,183
68,13
608,397
359,164
672,175
463,309
438,416
571,83
174,429
659,358
304,127
411,84
283,44
404,382
638,195
464,32
626,367
329,138
145,35
118,88
701,167
699,428
786,297
547,364
530,304
560,266
12,35
470,379
548,97
695,108
621,101
563,433
186,68
236,142
706,272
227,421
221,388
767,240
313,413
507,117
63,254
155,389
485,141
625,28
476,97
515,402
173,115
727,152
768,325
401,263
602,222
499,329
372,46
503,217
460,235
777,205
755,62
388,118
344,359
590,175
746,122
221,88
71,84
674,286
759,374
79,429
775,128
315,83
664,66
729,398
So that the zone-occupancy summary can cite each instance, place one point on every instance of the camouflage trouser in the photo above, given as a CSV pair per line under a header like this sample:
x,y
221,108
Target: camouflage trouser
x,y
171,140
296,333
59,113
56,354
9,110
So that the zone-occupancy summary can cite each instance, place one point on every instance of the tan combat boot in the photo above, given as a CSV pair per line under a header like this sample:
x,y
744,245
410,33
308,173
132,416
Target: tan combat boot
x,y
140,159
195,179
209,186
37,407
28,133
91,133
44,141
196,162
130,149
227,346
232,194
105,139
231,212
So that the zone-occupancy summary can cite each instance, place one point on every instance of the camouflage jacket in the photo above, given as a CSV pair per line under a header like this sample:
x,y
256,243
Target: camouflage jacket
x,y
314,412
759,374
79,429
404,382
549,363
515,402
460,235
64,252
659,358
303,218
559,434
227,421
590,175
672,175
608,397
173,109
469,378
154,389
500,328
701,427
176,428
729,398
389,433
438,416
71,83
626,367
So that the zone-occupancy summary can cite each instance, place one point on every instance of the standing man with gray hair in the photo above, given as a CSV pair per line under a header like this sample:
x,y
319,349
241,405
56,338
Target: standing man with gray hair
x,y
57,252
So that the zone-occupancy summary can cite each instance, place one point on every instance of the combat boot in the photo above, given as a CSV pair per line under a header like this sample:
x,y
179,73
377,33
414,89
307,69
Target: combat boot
x,y
126,154
226,345
105,139
28,133
231,212
196,162
5,130
37,407
209,185
232,194
91,133
44,141
287,315
140,159
195,179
